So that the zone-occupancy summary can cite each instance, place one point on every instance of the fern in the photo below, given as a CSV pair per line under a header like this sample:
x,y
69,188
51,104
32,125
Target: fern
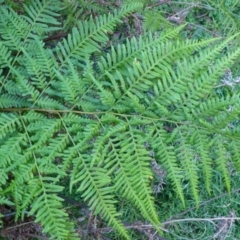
x,y
155,21
65,115
226,14
81,9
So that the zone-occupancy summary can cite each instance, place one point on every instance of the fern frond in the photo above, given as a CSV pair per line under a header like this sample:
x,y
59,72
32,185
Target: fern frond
x,y
185,154
8,124
67,113
123,55
180,81
223,119
48,128
222,161
86,37
93,181
80,9
208,79
124,183
154,63
153,21
234,149
43,16
5,56
135,160
12,28
39,62
3,200
226,15
214,105
48,211
94,187
203,148
166,156
8,101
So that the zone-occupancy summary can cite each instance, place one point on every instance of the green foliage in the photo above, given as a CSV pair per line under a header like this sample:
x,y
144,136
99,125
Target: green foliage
x,y
205,17
226,13
65,114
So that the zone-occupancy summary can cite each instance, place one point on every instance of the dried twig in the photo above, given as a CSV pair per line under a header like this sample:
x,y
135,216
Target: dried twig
x,y
225,226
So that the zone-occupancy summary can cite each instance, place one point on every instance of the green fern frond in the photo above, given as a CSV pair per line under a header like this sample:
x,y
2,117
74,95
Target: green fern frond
x,y
48,211
234,149
12,28
203,148
124,184
223,119
208,79
166,156
39,62
89,34
214,105
5,56
132,148
43,16
3,200
185,155
226,15
97,115
80,9
8,124
94,187
123,55
153,21
221,161
8,101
